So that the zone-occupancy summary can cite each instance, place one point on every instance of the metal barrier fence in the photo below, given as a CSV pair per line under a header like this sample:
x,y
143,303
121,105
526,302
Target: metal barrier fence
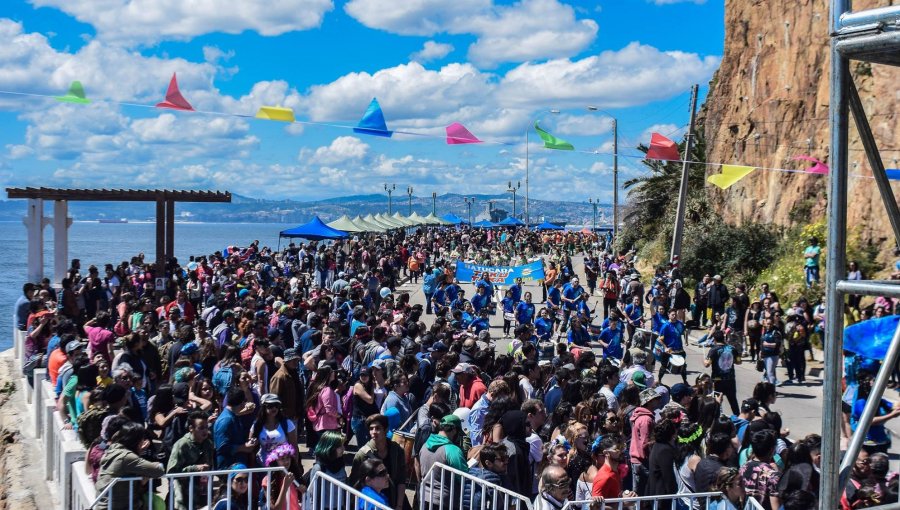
x,y
198,490
446,488
327,493
697,501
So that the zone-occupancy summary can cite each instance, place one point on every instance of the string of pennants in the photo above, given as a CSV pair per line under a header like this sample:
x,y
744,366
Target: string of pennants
x,y
373,123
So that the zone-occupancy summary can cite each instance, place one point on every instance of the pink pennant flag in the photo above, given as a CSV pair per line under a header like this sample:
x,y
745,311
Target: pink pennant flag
x,y
663,148
174,99
817,168
458,134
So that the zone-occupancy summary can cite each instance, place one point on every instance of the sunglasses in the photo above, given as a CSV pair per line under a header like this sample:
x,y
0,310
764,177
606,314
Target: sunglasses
x,y
381,473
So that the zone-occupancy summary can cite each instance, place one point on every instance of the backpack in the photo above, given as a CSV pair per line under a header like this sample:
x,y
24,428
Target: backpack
x,y
164,350
223,380
90,422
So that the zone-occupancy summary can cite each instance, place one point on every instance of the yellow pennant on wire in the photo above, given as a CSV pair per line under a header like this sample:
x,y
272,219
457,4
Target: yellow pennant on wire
x,y
730,175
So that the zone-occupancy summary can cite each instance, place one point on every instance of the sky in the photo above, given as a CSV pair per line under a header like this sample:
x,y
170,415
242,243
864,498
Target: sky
x,y
496,66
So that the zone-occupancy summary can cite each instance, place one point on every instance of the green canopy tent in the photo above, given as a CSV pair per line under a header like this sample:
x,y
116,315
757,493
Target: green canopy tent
x,y
370,227
346,224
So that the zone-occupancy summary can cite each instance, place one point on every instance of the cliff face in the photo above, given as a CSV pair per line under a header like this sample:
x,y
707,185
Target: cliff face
x,y
769,102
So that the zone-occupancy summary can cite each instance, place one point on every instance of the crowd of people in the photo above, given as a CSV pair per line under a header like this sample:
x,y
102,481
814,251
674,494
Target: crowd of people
x,y
252,357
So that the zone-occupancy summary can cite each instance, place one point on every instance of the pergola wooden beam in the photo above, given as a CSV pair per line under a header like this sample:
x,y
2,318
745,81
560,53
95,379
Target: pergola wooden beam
x,y
119,195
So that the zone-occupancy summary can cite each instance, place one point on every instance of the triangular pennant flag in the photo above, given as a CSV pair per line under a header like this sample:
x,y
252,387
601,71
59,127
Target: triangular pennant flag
x,y
817,168
75,94
730,175
372,122
174,99
893,174
458,134
552,142
275,113
662,148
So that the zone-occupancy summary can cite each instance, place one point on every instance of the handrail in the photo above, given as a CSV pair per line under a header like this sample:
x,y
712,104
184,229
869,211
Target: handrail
x,y
175,476
315,488
511,498
638,502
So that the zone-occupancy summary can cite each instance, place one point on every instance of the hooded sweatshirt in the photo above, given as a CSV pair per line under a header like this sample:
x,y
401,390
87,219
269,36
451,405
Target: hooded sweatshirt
x,y
439,449
641,435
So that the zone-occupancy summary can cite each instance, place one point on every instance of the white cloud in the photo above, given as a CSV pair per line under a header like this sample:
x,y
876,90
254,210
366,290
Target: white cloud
x,y
150,21
18,151
596,124
214,54
634,75
432,51
341,150
525,30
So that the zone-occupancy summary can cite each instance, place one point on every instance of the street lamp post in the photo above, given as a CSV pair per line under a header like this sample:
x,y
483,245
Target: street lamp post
x,y
390,190
433,202
595,203
615,128
409,192
469,201
513,189
527,210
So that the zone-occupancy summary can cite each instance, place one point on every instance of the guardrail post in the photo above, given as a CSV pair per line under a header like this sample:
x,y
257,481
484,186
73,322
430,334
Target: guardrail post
x,y
34,398
70,452
48,437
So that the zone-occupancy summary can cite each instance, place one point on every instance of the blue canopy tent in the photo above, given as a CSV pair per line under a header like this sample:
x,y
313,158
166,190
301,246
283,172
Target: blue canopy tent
x,y
548,226
483,224
314,230
511,221
454,219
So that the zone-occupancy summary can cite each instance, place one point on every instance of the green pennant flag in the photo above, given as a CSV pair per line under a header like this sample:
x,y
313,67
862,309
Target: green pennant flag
x,y
75,95
552,142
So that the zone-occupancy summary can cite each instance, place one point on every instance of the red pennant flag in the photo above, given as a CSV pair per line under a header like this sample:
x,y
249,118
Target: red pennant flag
x,y
174,99
663,148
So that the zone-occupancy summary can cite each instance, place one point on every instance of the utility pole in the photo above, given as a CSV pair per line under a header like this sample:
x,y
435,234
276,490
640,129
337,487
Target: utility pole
x,y
390,189
513,189
469,201
409,192
682,192
615,127
433,202
595,203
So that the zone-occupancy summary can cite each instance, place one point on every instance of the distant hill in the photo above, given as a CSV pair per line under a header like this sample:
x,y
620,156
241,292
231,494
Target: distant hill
x,y
245,209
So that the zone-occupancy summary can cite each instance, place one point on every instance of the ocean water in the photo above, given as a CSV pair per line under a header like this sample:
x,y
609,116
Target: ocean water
x,y
99,244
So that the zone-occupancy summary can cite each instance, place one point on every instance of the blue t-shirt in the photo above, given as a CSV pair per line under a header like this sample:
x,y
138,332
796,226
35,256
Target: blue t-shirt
x,y
634,314
439,298
508,305
452,291
877,434
516,290
553,296
480,324
479,301
488,286
525,312
671,333
373,495
613,339
229,434
579,336
571,292
543,328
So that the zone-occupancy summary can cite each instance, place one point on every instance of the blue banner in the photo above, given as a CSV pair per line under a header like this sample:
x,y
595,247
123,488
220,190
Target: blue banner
x,y
503,275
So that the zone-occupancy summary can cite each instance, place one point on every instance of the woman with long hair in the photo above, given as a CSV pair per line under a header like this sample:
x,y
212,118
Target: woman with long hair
x,y
732,488
284,494
363,405
271,428
688,455
234,495
580,454
330,461
322,402
661,477
373,482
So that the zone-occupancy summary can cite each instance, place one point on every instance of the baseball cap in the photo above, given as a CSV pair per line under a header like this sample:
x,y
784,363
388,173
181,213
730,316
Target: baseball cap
x,y
639,379
189,348
681,390
451,419
269,398
180,391
74,346
438,346
290,354
463,367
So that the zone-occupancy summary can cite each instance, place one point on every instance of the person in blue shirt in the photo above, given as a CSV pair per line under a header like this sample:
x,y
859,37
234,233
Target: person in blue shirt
x,y
554,301
429,284
525,310
571,293
634,314
543,326
439,299
459,303
611,339
374,482
516,290
578,334
480,299
878,439
468,316
485,282
670,336
583,309
230,435
452,291
555,393
508,306
658,319
23,306
481,323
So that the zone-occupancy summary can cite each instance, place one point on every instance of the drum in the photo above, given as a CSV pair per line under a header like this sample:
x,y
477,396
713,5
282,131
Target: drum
x,y
509,316
406,440
677,360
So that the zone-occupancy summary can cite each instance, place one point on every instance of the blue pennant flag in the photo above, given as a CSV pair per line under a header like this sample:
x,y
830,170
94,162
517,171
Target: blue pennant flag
x,y
372,122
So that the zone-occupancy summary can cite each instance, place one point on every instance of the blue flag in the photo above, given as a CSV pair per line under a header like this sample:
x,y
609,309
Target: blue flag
x,y
372,122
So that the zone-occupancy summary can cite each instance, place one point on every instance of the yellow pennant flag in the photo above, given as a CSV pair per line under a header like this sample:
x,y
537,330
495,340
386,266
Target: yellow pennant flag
x,y
275,113
730,175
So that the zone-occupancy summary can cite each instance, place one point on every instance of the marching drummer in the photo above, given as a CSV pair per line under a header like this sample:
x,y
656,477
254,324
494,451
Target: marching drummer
x,y
671,352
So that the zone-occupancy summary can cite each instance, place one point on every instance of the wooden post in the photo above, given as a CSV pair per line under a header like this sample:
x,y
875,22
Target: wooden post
x,y
160,238
170,229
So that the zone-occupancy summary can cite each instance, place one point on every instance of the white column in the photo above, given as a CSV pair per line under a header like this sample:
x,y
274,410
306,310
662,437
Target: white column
x,y
34,225
61,224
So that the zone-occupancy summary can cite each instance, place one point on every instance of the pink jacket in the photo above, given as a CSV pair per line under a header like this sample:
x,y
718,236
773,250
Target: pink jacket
x,y
327,413
641,435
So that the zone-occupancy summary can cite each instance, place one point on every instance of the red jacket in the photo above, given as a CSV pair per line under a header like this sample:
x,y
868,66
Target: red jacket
x,y
188,313
642,421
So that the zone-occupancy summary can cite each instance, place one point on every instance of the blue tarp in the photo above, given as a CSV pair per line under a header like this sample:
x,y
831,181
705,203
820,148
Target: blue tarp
x,y
871,338
512,221
483,224
314,230
548,226
454,219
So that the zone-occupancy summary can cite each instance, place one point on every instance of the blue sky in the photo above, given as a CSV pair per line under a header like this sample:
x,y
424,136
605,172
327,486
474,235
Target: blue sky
x,y
493,65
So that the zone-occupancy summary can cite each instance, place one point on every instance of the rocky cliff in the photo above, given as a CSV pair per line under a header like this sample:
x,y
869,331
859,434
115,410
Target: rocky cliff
x,y
769,102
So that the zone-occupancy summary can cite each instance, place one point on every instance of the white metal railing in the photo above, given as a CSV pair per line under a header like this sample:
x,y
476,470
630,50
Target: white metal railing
x,y
698,500
327,493
156,490
443,487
